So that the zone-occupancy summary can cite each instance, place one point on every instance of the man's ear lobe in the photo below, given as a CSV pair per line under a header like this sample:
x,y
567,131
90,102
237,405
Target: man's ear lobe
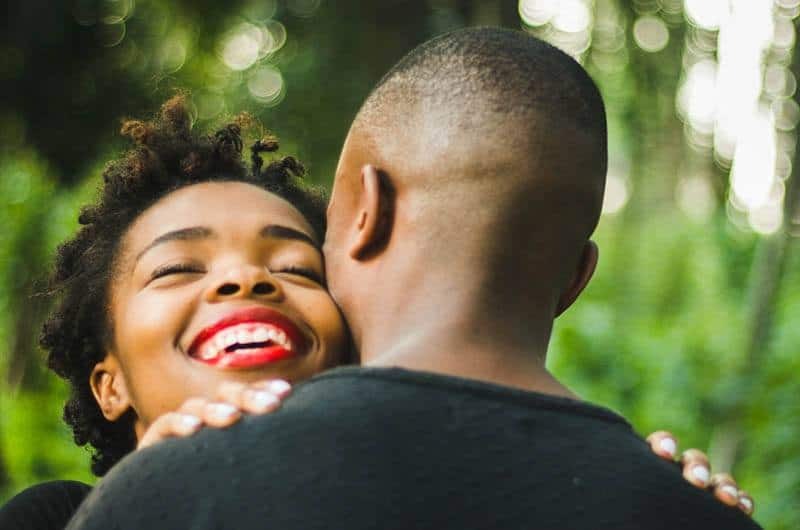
x,y
584,272
109,388
374,216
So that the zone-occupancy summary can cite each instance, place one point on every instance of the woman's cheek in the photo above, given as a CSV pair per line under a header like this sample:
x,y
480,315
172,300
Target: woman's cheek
x,y
151,325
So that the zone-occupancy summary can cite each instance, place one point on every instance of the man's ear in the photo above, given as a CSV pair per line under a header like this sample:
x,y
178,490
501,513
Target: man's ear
x,y
586,267
374,214
109,388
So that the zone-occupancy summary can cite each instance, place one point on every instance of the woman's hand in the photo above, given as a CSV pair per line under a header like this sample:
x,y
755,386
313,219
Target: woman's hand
x,y
697,471
232,399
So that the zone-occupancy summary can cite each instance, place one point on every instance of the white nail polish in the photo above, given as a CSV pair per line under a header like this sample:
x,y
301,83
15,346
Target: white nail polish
x,y
730,490
279,386
223,409
262,399
747,503
189,421
668,446
701,473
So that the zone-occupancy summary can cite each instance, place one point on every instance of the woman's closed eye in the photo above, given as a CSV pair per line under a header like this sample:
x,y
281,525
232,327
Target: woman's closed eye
x,y
175,268
305,272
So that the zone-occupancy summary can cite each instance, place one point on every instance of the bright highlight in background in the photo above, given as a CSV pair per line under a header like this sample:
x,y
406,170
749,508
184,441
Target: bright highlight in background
x,y
616,195
266,85
708,14
566,24
650,33
753,170
240,48
248,43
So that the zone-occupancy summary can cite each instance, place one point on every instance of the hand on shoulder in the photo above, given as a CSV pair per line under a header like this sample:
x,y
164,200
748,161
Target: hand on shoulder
x,y
697,471
232,400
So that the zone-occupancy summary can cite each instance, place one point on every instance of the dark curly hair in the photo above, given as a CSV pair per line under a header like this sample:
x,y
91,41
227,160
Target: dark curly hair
x,y
167,155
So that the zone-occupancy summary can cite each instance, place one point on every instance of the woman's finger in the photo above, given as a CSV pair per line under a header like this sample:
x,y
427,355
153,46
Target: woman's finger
x,y
260,397
193,406
664,444
169,425
725,489
220,414
279,387
746,503
696,468
265,396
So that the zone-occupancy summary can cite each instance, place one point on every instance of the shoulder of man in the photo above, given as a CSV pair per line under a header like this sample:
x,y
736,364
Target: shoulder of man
x,y
413,448
43,506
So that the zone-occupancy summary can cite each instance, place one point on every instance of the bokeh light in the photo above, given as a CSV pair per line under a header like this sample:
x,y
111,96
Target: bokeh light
x,y
266,85
616,195
567,24
753,169
573,16
241,47
650,33
707,14
537,12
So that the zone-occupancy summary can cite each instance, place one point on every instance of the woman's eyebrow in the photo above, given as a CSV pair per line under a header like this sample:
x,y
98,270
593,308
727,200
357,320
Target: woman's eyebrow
x,y
284,232
184,234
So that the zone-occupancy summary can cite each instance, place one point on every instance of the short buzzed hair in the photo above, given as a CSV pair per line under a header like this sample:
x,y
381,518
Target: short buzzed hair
x,y
502,113
514,71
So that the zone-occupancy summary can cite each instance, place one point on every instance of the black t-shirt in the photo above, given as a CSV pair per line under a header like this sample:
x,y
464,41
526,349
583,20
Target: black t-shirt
x,y
46,506
361,448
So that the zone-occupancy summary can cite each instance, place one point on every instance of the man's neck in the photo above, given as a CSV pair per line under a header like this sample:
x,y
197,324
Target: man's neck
x,y
467,350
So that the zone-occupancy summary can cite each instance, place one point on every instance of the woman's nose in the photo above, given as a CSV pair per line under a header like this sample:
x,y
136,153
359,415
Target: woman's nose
x,y
244,281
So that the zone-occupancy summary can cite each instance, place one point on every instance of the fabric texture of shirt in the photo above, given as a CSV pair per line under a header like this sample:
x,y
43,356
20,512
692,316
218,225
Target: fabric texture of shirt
x,y
386,448
46,506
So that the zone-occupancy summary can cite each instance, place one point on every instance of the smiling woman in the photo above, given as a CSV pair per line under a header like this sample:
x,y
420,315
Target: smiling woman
x,y
204,293
191,269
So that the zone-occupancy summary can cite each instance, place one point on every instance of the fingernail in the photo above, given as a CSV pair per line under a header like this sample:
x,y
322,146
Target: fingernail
x,y
261,399
730,490
189,421
746,503
668,446
223,410
279,387
701,473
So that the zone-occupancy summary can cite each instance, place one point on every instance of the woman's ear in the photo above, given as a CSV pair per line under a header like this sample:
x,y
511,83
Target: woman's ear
x,y
109,388
375,214
580,280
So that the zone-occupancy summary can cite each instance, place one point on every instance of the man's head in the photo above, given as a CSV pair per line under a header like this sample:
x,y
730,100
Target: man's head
x,y
475,169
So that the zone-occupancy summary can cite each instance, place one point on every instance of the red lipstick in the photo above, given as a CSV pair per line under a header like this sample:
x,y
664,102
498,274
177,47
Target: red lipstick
x,y
248,338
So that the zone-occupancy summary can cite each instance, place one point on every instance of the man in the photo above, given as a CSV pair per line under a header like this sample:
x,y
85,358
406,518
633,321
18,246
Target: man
x,y
468,186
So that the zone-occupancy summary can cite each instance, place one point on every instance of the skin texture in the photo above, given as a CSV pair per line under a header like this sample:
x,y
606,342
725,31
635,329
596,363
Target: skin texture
x,y
155,320
435,315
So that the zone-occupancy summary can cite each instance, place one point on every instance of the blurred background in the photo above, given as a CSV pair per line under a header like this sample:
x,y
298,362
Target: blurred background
x,y
691,322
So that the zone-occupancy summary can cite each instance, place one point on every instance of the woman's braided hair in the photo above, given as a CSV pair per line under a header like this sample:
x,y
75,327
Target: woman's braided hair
x,y
166,156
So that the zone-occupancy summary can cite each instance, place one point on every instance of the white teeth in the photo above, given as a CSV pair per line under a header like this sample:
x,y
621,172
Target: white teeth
x,y
244,337
229,338
260,335
209,352
247,333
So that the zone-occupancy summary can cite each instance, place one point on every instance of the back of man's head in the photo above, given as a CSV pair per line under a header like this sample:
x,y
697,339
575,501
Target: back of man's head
x,y
492,146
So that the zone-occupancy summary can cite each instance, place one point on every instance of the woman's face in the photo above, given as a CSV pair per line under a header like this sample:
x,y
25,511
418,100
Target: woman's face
x,y
218,282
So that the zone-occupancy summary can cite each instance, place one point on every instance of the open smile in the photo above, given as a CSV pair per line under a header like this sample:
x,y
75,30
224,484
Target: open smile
x,y
248,338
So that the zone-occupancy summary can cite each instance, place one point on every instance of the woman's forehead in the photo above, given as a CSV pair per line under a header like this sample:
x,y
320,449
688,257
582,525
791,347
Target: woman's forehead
x,y
220,206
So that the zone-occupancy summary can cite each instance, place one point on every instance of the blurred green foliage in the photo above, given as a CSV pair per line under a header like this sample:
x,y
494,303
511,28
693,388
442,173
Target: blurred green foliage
x,y
679,329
